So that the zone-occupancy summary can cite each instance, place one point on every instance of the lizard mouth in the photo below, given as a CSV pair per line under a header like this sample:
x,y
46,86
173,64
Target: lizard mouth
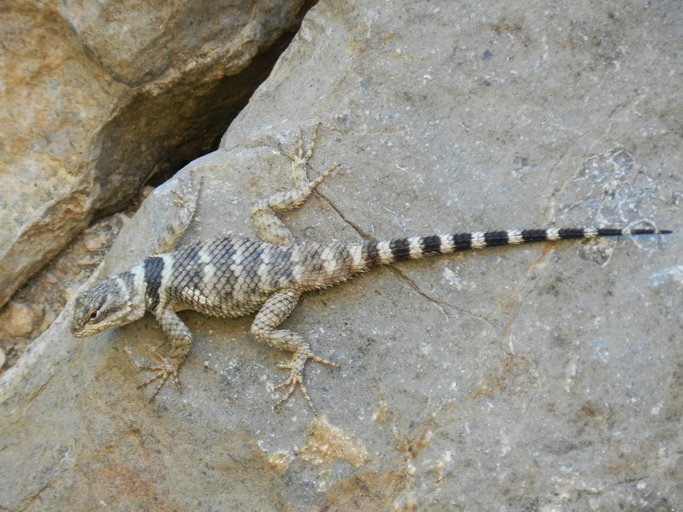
x,y
82,331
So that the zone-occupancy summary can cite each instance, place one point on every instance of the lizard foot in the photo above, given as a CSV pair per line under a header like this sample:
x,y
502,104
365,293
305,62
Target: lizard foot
x,y
296,376
164,371
300,156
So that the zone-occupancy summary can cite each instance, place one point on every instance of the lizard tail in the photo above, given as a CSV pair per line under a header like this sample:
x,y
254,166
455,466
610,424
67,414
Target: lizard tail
x,y
400,249
322,265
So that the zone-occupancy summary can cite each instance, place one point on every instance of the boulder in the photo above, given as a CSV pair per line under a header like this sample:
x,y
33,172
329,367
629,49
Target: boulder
x,y
544,377
100,96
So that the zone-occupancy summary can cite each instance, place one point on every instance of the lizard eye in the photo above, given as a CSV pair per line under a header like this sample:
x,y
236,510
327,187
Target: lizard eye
x,y
94,314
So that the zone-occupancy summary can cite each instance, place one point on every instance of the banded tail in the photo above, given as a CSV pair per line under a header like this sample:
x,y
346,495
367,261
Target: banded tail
x,y
320,265
400,249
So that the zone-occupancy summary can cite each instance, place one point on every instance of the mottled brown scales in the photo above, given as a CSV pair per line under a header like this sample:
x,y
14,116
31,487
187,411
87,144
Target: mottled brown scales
x,y
235,276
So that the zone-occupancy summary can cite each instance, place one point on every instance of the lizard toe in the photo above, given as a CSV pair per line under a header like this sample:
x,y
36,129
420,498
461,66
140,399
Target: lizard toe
x,y
165,371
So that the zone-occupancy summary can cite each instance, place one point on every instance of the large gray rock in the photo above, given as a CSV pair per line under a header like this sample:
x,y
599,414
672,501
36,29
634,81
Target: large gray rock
x,y
540,378
98,96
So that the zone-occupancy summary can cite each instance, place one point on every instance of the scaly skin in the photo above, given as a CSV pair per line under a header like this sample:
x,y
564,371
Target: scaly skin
x,y
235,276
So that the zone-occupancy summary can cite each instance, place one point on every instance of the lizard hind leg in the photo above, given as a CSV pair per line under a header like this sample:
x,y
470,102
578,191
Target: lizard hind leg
x,y
268,226
271,315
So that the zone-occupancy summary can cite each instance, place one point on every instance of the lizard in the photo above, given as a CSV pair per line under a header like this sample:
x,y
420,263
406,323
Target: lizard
x,y
235,276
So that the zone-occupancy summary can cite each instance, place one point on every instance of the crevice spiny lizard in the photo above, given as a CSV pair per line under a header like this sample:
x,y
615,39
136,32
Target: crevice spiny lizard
x,y
235,276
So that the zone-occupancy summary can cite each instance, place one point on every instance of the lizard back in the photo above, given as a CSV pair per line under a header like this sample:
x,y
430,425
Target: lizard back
x,y
233,276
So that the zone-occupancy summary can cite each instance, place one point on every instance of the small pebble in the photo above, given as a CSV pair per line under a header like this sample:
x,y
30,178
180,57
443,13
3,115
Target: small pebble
x,y
17,319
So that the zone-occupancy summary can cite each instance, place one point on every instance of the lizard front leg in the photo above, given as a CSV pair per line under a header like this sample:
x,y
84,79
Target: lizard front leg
x,y
186,200
268,226
181,339
271,315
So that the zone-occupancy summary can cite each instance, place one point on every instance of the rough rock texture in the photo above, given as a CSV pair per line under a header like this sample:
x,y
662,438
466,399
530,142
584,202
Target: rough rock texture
x,y
98,96
35,305
538,378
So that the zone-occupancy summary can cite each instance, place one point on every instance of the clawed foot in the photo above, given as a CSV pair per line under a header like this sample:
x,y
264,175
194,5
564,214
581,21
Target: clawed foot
x,y
296,377
300,155
189,190
164,371
186,203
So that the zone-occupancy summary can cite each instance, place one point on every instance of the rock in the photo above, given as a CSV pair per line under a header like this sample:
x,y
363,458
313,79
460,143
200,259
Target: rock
x,y
538,378
40,300
17,319
100,96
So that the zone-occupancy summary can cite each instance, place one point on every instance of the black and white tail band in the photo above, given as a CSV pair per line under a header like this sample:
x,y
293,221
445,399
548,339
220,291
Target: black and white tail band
x,y
417,247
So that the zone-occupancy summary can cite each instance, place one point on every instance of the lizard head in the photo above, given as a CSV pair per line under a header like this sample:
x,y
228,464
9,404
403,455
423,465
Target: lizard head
x,y
111,302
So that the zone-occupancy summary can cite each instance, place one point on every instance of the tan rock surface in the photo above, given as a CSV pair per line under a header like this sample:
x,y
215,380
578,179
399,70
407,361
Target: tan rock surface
x,y
97,96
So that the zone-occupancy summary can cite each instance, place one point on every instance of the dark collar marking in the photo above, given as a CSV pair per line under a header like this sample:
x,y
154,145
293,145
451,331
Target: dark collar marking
x,y
154,266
